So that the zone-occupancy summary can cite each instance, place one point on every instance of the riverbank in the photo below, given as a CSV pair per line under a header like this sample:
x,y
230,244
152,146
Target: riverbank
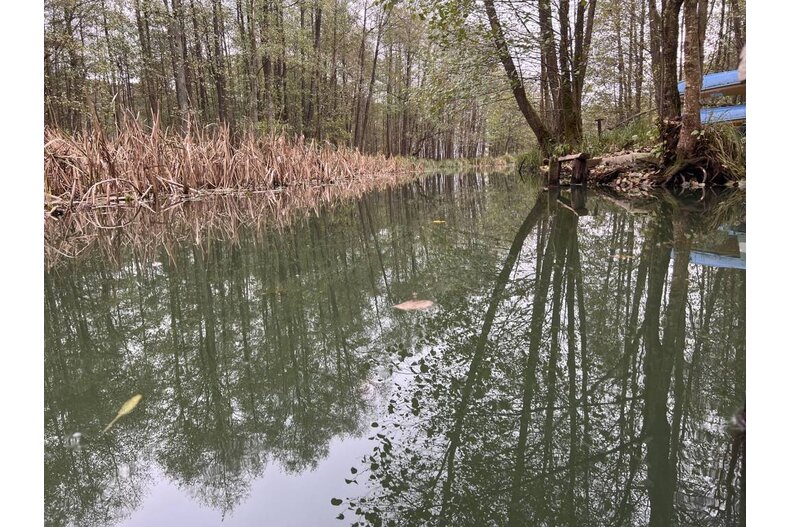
x,y
649,160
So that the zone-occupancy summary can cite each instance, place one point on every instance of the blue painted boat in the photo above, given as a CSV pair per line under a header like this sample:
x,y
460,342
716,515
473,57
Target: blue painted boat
x,y
718,85
724,114
717,260
708,259
722,82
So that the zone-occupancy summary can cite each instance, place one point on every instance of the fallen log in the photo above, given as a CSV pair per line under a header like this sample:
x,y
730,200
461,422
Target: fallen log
x,y
644,158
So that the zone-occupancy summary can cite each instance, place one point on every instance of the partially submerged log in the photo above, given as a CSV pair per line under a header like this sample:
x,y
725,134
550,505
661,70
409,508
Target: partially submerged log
x,y
635,165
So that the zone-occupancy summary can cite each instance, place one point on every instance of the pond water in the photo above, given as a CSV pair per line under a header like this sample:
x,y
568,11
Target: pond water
x,y
581,365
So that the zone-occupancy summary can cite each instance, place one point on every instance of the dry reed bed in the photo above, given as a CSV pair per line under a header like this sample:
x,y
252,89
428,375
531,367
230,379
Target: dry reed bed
x,y
138,163
149,227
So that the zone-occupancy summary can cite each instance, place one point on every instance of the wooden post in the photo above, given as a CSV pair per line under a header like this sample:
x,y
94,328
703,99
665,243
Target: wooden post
x,y
598,123
579,176
553,176
579,200
554,195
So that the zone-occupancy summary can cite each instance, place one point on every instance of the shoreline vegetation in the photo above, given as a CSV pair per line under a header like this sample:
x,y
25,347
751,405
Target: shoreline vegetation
x,y
639,157
152,165
139,164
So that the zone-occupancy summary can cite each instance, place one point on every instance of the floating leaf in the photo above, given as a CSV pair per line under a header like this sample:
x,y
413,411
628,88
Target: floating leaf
x,y
353,470
414,305
439,221
336,501
340,516
127,407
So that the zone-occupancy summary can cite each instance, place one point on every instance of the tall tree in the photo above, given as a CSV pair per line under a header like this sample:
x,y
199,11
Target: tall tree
x,y
178,56
664,34
692,69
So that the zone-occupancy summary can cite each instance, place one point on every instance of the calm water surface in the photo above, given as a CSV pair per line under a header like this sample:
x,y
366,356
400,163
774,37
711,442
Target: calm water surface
x,y
579,367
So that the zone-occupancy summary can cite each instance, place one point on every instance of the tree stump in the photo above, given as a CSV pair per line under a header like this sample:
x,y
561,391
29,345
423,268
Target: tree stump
x,y
579,176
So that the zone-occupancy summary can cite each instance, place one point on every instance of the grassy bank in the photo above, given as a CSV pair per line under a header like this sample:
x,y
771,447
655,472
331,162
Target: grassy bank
x,y
723,146
137,163
635,135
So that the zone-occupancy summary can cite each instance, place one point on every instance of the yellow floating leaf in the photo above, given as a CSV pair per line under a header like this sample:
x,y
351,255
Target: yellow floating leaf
x,y
127,407
414,305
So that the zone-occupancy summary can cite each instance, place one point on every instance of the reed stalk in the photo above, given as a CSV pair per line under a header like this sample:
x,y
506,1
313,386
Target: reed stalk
x,y
140,163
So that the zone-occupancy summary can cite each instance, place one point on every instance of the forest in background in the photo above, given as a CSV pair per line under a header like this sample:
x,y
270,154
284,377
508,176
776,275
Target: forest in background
x,y
428,78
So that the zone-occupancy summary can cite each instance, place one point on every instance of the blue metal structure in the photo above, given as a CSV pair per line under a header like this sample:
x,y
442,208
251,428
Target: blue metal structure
x,y
720,82
717,260
723,114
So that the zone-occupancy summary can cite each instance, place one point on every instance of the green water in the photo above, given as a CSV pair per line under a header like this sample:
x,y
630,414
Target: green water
x,y
578,367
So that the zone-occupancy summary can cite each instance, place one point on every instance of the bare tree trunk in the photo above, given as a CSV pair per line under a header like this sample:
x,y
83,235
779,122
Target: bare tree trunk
x,y
548,53
315,84
179,56
380,30
693,73
268,85
388,106
147,62
358,90
202,92
544,137
284,114
405,133
664,31
253,63
219,65
640,60
737,27
302,96
571,126
620,64
581,53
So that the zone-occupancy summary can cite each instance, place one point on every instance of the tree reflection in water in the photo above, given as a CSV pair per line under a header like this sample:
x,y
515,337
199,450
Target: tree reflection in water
x,y
576,372
595,389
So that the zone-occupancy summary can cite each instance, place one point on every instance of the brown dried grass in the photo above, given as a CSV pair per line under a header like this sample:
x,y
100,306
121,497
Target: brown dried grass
x,y
140,162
